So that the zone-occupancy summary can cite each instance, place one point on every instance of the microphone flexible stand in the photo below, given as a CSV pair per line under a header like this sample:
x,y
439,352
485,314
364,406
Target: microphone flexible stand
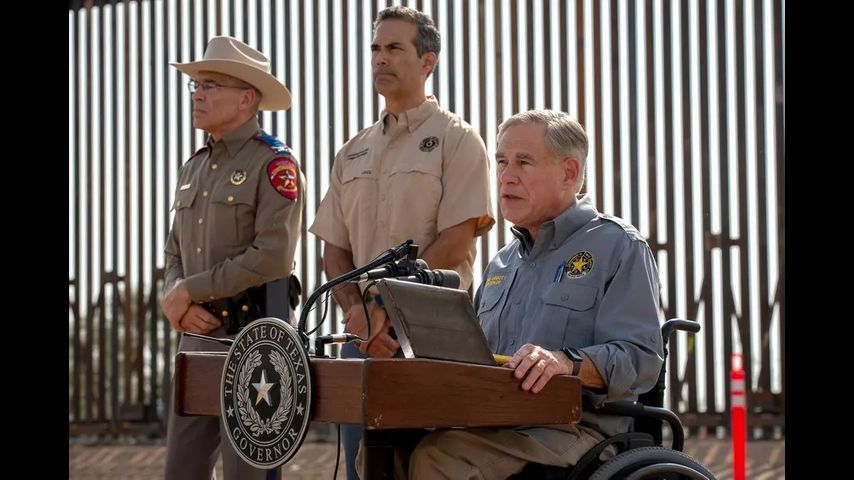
x,y
389,256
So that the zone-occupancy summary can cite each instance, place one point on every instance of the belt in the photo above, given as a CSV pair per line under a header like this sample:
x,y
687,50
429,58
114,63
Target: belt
x,y
238,311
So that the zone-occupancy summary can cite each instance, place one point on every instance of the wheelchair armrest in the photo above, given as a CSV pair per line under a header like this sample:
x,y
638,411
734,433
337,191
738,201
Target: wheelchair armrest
x,y
634,409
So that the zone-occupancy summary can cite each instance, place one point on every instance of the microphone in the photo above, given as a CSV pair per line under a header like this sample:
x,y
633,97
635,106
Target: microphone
x,y
439,278
396,269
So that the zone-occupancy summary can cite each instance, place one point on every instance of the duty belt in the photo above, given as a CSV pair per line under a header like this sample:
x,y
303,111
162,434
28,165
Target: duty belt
x,y
236,312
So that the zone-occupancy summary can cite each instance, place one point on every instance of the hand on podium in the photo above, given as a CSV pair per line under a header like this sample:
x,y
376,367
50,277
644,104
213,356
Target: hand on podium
x,y
381,344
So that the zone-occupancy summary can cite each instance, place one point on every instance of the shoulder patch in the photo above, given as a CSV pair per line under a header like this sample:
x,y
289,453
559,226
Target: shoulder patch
x,y
274,143
284,176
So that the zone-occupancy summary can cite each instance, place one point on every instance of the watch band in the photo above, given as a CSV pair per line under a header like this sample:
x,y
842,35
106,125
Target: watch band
x,y
575,357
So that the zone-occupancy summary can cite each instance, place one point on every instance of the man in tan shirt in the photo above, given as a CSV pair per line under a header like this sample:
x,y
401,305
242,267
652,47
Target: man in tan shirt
x,y
238,214
418,173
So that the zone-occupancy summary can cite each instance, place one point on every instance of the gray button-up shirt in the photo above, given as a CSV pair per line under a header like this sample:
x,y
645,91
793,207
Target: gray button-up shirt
x,y
589,281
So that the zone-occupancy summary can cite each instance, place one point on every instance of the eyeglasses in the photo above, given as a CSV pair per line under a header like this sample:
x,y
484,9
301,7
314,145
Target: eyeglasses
x,y
209,86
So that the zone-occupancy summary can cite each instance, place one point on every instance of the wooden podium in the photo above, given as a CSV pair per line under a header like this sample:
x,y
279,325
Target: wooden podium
x,y
384,395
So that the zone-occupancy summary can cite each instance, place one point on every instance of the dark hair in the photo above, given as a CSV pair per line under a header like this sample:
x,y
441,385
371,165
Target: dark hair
x,y
427,39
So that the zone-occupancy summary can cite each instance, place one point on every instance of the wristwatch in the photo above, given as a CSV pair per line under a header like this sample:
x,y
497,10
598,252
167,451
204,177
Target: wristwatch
x,y
575,357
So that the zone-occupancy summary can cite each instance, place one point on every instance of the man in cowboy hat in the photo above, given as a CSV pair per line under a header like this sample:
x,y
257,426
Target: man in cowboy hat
x,y
238,214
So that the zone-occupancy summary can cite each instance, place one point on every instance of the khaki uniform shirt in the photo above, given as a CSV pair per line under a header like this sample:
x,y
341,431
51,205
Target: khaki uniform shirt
x,y
232,228
407,178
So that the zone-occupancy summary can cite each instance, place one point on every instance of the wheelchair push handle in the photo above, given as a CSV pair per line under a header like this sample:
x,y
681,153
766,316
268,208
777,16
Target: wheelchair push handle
x,y
678,324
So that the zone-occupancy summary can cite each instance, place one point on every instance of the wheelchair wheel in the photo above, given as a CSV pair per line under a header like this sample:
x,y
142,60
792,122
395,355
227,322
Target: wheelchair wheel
x,y
652,463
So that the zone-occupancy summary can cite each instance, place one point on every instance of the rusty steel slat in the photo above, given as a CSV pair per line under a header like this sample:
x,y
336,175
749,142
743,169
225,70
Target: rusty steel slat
x,y
485,255
634,161
317,193
670,228
563,49
76,373
744,237
616,127
723,191
761,196
451,32
514,58
128,330
649,63
89,283
288,77
529,68
780,151
690,375
102,234
466,113
597,103
115,370
374,96
434,14
498,57
153,307
579,62
705,293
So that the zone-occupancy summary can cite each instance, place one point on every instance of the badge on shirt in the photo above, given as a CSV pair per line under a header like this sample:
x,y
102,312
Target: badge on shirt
x,y
579,265
282,173
429,144
495,280
238,177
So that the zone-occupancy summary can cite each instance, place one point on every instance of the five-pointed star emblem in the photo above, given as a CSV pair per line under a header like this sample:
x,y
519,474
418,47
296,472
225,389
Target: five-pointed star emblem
x,y
263,389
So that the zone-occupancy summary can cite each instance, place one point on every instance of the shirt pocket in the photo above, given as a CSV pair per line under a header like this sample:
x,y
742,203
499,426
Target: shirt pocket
x,y
233,215
568,313
183,207
490,306
414,193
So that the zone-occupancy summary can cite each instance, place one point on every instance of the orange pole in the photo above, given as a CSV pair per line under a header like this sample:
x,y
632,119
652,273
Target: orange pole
x,y
738,418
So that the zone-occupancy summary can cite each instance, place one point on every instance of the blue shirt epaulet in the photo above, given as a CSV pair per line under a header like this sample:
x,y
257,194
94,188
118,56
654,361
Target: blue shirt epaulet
x,y
626,226
276,145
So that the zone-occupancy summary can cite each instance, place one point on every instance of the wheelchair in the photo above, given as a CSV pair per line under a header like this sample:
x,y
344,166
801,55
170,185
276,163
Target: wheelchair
x,y
640,453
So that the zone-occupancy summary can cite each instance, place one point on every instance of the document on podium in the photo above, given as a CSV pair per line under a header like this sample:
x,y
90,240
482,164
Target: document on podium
x,y
434,322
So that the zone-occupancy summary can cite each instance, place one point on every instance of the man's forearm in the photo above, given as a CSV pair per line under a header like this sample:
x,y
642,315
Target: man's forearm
x,y
338,261
451,247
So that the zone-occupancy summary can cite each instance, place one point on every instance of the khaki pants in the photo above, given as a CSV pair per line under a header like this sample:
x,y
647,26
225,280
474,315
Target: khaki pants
x,y
491,453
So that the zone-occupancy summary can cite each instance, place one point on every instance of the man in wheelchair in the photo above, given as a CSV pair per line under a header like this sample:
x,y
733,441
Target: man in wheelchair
x,y
576,292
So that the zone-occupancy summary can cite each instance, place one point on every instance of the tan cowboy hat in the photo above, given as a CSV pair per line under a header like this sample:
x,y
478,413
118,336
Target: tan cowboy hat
x,y
232,57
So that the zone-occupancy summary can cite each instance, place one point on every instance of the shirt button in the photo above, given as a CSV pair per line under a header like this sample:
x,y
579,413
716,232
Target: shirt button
x,y
205,193
199,250
533,264
178,203
213,166
230,198
201,220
